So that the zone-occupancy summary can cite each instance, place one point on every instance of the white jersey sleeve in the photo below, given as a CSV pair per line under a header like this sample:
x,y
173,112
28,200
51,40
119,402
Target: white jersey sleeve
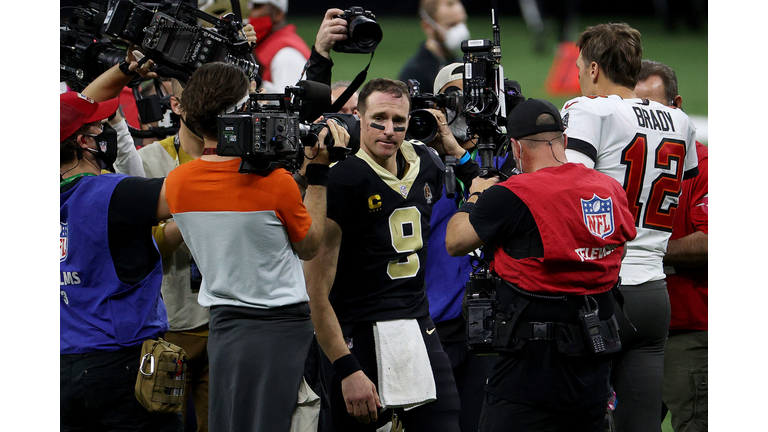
x,y
647,147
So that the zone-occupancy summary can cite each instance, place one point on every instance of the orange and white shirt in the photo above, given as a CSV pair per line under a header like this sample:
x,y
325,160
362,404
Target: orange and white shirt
x,y
239,228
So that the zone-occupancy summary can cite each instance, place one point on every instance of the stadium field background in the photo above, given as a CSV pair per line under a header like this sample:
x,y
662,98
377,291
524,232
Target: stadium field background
x,y
684,50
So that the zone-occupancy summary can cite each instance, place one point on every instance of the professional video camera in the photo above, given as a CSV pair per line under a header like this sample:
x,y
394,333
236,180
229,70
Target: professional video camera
x,y
85,53
363,32
176,41
480,308
485,101
273,134
166,31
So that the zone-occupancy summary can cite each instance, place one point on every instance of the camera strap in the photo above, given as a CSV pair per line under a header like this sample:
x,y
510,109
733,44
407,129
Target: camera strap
x,y
356,83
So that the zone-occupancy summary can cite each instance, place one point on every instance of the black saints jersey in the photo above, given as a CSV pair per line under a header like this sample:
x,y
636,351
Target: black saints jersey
x,y
385,225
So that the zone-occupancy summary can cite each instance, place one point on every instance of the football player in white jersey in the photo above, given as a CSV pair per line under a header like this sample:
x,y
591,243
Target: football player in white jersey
x,y
649,148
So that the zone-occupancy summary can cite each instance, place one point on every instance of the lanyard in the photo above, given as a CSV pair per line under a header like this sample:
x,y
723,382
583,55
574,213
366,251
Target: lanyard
x,y
69,180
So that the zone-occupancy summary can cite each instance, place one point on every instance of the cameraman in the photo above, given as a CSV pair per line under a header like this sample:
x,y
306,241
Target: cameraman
x,y
446,276
557,232
110,269
248,235
187,320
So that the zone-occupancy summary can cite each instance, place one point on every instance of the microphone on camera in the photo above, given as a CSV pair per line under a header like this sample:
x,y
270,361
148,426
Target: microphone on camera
x,y
316,100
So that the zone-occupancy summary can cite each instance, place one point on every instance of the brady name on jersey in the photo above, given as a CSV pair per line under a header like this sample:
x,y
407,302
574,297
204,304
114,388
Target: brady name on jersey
x,y
647,147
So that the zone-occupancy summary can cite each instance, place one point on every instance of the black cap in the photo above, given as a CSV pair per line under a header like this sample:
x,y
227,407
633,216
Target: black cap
x,y
522,119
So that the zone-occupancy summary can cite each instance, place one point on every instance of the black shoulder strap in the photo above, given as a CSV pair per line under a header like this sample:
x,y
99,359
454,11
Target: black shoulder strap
x,y
356,83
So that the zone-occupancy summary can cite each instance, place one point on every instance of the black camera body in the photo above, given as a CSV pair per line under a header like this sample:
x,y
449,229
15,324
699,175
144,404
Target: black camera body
x,y
84,52
273,134
166,30
176,41
480,311
422,125
363,32
349,122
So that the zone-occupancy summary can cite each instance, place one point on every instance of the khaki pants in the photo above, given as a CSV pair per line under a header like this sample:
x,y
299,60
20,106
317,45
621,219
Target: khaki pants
x,y
197,373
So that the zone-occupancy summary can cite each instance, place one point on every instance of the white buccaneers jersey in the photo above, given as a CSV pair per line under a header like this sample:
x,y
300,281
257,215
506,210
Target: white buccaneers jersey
x,y
647,147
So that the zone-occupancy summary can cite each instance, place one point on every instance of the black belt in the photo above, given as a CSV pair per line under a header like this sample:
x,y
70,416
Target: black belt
x,y
534,331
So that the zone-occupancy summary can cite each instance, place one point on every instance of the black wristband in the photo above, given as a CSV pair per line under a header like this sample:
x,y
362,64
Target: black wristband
x,y
317,174
346,365
473,194
124,65
466,207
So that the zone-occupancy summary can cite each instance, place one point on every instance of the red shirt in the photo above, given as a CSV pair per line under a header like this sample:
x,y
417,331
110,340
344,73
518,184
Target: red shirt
x,y
265,50
688,287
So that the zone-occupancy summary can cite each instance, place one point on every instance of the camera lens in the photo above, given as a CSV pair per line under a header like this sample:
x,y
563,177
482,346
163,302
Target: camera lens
x,y
422,126
365,33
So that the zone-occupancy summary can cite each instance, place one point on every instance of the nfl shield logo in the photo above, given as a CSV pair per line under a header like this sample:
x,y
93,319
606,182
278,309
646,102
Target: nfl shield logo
x,y
403,190
598,216
64,243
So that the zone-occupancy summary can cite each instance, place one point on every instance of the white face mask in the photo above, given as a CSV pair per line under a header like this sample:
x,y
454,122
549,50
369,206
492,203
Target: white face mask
x,y
452,37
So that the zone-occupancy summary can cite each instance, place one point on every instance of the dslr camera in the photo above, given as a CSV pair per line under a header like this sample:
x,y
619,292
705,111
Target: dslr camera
x,y
363,32
272,134
423,126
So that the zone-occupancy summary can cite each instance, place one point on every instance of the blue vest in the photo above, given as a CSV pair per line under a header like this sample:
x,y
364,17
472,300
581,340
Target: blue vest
x,y
446,276
97,311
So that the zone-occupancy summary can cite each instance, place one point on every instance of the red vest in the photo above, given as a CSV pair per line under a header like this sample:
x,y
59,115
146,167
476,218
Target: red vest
x,y
584,221
689,288
266,49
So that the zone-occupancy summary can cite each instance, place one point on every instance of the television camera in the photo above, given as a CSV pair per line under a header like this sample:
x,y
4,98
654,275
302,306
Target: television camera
x,y
272,134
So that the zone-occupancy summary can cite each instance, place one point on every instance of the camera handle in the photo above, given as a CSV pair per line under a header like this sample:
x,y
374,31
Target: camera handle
x,y
450,177
486,148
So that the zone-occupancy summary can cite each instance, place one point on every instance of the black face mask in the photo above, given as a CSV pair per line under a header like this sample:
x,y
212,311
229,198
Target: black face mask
x,y
106,147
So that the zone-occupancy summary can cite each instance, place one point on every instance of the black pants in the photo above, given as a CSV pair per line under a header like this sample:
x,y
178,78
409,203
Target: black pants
x,y
442,415
501,415
256,361
638,370
470,371
97,394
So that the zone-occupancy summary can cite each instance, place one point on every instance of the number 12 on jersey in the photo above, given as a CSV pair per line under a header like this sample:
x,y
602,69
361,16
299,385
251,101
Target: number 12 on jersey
x,y
667,182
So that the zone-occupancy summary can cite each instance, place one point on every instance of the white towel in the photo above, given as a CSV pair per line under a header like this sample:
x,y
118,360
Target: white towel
x,y
405,373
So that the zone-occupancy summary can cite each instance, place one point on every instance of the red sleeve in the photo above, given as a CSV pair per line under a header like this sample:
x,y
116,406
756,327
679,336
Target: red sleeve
x,y
699,198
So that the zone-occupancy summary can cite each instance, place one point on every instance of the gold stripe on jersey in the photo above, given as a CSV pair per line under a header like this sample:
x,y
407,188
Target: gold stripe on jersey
x,y
398,185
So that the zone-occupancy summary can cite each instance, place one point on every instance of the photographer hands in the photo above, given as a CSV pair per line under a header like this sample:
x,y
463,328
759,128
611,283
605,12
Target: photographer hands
x,y
444,142
250,34
137,63
479,185
319,153
331,31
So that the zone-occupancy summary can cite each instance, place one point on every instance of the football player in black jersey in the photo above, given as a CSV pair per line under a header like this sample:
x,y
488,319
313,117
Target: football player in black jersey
x,y
370,268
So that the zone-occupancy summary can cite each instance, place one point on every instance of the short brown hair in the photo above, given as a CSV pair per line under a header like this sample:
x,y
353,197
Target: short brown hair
x,y
212,89
667,75
392,87
616,48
